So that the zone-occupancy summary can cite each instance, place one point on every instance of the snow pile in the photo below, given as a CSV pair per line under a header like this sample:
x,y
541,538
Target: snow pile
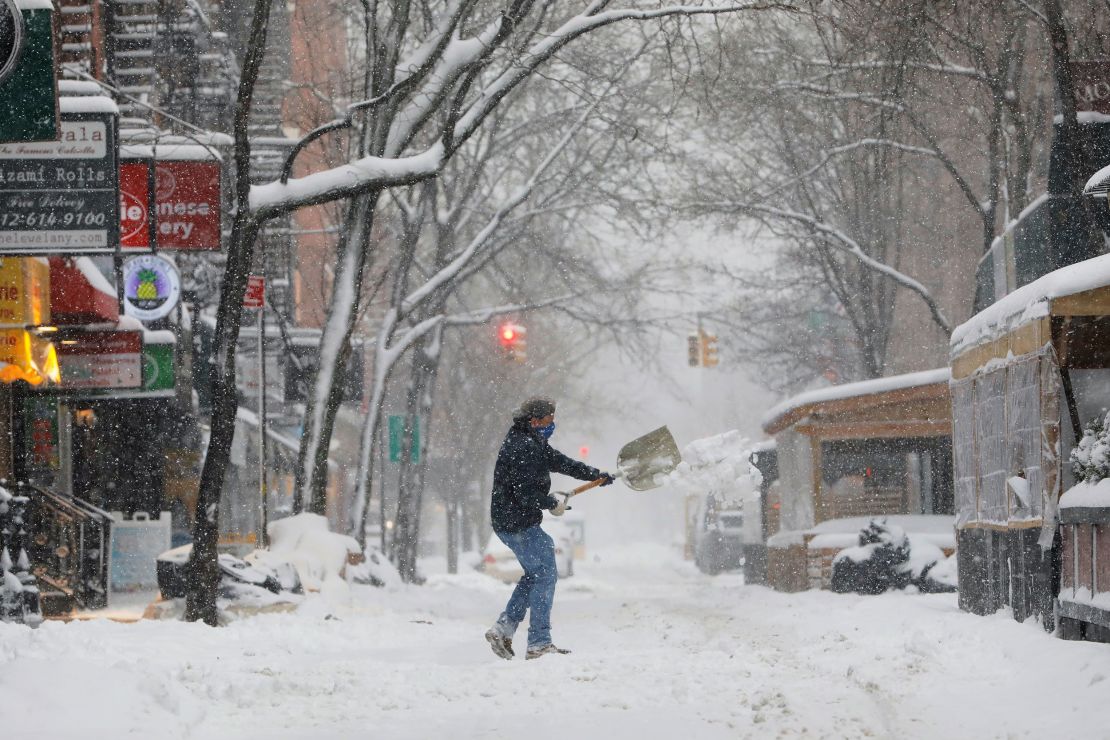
x,y
887,558
720,464
1087,495
319,555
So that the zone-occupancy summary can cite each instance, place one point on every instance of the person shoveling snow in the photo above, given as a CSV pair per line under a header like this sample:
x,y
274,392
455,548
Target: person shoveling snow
x,y
521,493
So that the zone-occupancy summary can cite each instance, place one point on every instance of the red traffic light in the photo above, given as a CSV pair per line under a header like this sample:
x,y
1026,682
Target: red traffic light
x,y
507,334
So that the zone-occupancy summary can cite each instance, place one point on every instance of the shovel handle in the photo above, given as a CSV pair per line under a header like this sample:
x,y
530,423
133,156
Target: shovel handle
x,y
586,486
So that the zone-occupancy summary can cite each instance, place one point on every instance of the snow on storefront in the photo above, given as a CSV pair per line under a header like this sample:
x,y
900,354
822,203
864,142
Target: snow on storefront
x,y
873,448
1027,374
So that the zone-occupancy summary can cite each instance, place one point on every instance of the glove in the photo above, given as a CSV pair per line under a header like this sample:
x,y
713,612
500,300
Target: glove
x,y
608,479
561,507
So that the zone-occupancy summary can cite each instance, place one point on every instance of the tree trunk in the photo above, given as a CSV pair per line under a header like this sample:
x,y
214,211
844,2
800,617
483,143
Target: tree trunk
x,y
326,394
204,574
410,491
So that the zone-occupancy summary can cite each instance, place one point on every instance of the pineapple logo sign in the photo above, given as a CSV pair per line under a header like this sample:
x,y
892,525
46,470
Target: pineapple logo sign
x,y
151,287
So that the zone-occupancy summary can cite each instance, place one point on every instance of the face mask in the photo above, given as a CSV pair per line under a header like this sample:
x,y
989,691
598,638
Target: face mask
x,y
546,431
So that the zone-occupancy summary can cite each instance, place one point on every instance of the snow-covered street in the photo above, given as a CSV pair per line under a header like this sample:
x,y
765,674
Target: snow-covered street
x,y
660,651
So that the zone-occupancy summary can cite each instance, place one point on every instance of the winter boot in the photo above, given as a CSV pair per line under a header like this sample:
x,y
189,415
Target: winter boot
x,y
547,649
502,646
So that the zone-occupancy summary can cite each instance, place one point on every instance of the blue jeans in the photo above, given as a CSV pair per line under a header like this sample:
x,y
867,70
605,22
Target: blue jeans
x,y
535,550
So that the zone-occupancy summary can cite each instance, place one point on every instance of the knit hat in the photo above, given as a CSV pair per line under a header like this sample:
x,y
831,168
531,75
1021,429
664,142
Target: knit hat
x,y
535,408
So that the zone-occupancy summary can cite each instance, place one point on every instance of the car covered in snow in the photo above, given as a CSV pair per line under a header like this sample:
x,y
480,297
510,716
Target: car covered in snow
x,y
498,560
719,536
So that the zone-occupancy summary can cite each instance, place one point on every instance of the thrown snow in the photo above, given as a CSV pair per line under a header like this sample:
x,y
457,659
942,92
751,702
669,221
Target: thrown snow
x,y
660,651
719,464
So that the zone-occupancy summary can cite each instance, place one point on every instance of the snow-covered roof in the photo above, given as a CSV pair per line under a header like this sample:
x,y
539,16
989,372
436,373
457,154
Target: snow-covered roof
x,y
797,406
136,151
34,4
1030,302
1098,182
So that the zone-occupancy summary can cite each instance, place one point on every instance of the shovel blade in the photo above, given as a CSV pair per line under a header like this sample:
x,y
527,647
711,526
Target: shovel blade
x,y
644,459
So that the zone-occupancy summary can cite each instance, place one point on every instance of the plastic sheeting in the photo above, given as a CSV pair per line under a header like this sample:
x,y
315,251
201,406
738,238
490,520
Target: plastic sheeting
x,y
1005,424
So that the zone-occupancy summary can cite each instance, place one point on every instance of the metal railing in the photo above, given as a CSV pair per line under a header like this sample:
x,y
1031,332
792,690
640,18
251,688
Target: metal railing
x,y
70,545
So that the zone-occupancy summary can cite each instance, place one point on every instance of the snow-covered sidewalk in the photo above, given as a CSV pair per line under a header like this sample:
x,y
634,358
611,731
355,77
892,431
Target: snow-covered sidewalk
x,y
660,651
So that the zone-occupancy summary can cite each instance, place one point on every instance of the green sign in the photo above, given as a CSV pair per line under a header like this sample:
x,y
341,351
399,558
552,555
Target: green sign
x,y
28,98
397,442
158,372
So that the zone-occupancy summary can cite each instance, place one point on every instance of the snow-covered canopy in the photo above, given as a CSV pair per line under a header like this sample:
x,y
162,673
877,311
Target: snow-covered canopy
x,y
1030,302
795,408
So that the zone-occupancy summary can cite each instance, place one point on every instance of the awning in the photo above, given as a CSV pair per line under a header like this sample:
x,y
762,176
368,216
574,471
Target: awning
x,y
1099,183
80,294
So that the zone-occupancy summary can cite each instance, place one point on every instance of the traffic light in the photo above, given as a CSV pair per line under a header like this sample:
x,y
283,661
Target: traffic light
x,y
512,340
708,350
693,350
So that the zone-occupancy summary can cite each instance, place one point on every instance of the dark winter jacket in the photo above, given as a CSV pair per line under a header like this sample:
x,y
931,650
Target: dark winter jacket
x,y
522,478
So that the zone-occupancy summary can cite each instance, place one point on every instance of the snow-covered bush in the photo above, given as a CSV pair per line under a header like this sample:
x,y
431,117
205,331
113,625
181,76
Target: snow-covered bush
x,y
1090,460
886,558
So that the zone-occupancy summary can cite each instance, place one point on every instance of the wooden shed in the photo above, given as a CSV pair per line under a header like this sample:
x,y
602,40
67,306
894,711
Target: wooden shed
x,y
877,447
1027,373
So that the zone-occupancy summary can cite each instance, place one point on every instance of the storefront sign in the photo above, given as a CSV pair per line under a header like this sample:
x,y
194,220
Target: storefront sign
x,y
151,287
24,292
12,32
102,359
136,228
1091,82
28,92
158,370
188,202
41,424
25,356
61,196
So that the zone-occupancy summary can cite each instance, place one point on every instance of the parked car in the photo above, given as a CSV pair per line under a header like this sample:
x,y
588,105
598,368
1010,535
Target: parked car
x,y
499,561
719,537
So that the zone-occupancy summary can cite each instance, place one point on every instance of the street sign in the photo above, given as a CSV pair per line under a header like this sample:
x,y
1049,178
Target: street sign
x,y
28,87
62,196
397,441
151,286
255,295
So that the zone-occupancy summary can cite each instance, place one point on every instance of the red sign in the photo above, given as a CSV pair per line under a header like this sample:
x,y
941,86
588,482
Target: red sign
x,y
102,359
188,202
134,201
255,296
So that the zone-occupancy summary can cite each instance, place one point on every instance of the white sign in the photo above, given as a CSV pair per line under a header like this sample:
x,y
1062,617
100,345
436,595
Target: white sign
x,y
78,140
151,287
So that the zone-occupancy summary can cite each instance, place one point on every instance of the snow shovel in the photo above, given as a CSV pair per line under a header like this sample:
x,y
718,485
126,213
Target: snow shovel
x,y
643,459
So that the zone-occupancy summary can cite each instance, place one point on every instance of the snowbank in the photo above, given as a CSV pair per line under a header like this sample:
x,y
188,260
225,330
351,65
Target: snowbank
x,y
921,528
319,555
1087,495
